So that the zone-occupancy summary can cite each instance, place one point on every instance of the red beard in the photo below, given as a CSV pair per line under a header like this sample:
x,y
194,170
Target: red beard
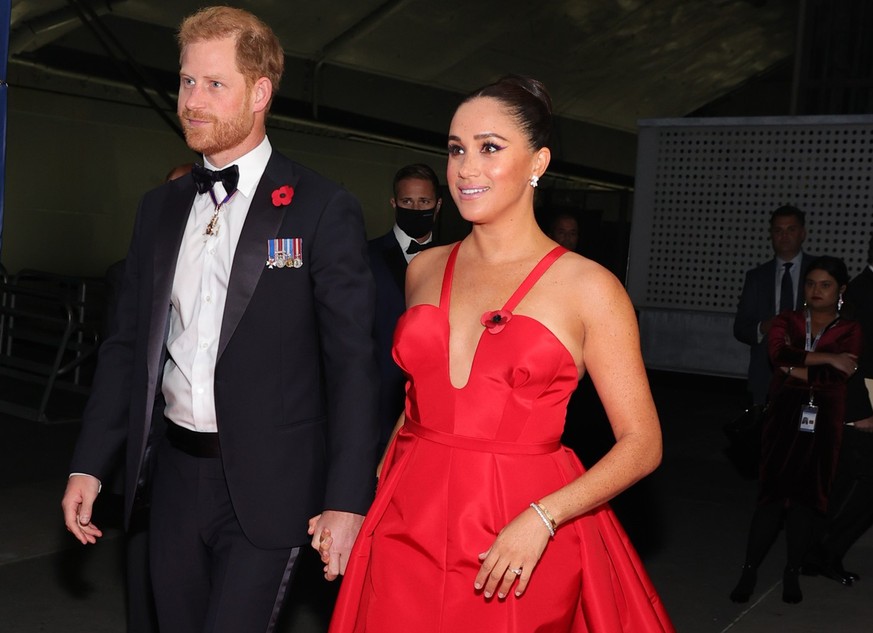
x,y
219,135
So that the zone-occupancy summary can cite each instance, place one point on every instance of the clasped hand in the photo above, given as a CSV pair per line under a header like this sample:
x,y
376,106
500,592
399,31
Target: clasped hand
x,y
336,530
512,556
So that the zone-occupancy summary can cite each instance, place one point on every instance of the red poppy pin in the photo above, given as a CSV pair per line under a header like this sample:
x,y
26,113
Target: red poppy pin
x,y
495,320
283,195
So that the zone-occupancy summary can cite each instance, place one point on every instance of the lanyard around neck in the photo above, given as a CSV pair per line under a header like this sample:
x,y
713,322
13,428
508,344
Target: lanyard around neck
x,y
810,342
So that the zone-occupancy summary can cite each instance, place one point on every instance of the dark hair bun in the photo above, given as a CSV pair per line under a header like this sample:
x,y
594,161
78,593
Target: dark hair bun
x,y
528,102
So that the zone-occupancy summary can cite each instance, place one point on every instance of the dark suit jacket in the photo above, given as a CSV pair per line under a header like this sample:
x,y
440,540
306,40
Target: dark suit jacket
x,y
859,296
758,303
295,377
389,271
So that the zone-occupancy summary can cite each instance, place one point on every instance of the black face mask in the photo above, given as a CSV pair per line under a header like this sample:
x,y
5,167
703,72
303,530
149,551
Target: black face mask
x,y
415,223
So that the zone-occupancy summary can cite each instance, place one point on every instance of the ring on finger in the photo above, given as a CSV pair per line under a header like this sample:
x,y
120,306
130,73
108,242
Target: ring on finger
x,y
515,570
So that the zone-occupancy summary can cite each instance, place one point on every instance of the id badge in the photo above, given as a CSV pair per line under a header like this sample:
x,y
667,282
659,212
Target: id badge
x,y
807,418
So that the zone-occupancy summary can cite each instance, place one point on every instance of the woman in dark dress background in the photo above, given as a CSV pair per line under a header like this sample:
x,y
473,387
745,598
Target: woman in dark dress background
x,y
814,352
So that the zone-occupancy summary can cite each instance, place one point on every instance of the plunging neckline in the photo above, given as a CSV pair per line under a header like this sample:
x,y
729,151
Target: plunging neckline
x,y
515,298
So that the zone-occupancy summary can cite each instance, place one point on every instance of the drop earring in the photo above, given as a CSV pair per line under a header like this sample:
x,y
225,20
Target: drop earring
x,y
534,181
840,303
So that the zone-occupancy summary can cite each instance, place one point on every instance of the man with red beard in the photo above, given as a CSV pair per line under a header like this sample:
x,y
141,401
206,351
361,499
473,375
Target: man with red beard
x,y
239,372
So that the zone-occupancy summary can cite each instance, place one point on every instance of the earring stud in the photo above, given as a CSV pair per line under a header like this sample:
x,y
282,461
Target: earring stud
x,y
534,181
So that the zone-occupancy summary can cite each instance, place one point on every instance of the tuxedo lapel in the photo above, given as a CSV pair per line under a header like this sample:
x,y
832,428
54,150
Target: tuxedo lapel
x,y
800,299
249,261
174,216
766,290
396,263
168,240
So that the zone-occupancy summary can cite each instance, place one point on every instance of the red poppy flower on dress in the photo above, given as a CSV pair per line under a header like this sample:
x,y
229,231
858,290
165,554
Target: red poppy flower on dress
x,y
495,320
283,195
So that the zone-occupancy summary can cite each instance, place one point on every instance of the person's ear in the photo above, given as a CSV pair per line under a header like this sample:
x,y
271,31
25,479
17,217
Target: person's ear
x,y
542,157
262,93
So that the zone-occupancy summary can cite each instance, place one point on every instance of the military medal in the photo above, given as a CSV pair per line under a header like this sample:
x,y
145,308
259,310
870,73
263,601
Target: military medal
x,y
296,252
285,252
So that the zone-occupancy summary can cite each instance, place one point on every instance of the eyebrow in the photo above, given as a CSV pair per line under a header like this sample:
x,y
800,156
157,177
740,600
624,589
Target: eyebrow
x,y
209,77
477,137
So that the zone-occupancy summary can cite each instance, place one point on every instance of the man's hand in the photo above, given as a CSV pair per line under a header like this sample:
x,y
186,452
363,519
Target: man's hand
x,y
78,505
341,528
324,541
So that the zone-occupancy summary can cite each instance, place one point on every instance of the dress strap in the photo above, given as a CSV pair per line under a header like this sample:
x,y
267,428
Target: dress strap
x,y
446,293
533,277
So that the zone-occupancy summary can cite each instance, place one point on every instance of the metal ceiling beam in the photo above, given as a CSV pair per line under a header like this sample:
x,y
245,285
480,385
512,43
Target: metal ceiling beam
x,y
46,28
295,115
344,39
138,77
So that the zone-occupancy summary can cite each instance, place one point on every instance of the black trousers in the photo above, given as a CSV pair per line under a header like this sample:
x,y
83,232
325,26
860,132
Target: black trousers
x,y
207,576
850,510
141,617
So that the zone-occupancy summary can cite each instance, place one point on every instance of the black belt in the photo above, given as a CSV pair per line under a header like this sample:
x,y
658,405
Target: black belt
x,y
193,443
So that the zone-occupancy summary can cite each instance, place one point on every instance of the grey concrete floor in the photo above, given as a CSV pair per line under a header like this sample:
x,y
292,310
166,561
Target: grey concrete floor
x,y
688,520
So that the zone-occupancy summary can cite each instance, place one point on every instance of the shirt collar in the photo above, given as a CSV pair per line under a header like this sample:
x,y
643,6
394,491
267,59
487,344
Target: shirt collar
x,y
404,240
796,260
251,167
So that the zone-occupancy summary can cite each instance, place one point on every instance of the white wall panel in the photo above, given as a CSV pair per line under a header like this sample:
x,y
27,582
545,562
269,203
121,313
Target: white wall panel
x,y
705,189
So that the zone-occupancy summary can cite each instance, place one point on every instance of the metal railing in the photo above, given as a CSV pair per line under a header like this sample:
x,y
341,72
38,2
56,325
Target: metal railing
x,y
46,339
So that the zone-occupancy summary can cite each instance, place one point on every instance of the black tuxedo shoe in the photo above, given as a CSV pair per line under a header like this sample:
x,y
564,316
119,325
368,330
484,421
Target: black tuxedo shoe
x,y
834,572
791,592
748,579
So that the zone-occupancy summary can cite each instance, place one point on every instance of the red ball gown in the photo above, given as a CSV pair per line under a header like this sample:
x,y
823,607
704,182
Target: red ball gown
x,y
466,462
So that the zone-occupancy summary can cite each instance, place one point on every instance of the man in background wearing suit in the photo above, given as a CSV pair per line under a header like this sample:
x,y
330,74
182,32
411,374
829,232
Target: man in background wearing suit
x,y
240,368
769,289
416,204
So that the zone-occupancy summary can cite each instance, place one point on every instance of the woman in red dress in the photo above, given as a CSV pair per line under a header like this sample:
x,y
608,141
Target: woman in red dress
x,y
482,520
814,351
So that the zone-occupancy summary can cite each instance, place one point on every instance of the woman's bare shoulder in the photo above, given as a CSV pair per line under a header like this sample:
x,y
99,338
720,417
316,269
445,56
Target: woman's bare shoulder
x,y
590,293
428,261
586,274
426,270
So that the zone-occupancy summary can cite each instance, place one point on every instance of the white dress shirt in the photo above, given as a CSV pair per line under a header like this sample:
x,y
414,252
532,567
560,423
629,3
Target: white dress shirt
x,y
404,240
199,293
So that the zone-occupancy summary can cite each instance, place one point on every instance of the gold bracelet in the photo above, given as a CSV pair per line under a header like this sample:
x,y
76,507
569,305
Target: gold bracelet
x,y
548,515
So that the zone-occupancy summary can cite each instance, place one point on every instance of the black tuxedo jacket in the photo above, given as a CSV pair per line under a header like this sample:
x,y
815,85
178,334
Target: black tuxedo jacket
x,y
758,303
295,377
859,295
389,271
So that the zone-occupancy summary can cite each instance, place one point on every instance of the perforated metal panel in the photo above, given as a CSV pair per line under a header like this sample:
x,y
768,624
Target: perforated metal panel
x,y
705,189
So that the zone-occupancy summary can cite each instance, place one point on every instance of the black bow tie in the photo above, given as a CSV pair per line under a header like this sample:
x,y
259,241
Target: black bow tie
x,y
205,178
415,247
